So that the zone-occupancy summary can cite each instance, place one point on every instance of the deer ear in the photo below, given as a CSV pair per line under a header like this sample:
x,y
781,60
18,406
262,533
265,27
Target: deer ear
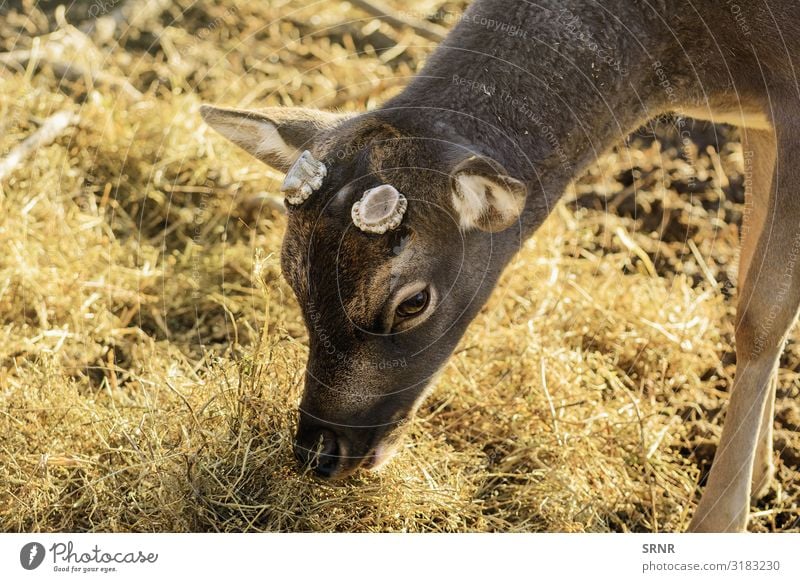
x,y
275,135
484,196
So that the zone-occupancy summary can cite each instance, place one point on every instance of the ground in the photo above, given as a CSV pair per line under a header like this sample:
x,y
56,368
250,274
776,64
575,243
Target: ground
x,y
151,355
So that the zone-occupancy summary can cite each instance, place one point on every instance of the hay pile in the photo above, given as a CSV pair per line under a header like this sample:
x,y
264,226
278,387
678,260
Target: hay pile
x,y
151,356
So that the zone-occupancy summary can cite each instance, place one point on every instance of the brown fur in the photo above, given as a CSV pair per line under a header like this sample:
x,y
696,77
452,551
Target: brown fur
x,y
538,108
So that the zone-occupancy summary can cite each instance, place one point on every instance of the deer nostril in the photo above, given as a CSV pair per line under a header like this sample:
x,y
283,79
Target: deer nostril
x,y
320,451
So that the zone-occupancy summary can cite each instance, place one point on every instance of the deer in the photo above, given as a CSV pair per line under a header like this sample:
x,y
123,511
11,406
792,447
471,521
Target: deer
x,y
400,220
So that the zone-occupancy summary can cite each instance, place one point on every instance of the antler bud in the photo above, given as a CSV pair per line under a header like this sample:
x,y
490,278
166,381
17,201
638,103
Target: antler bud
x,y
305,176
379,210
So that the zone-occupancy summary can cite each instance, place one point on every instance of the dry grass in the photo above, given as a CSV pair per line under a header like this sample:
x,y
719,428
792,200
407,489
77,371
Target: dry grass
x,y
151,356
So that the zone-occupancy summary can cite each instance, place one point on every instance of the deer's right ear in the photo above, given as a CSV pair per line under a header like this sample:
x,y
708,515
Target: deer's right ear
x,y
485,196
275,135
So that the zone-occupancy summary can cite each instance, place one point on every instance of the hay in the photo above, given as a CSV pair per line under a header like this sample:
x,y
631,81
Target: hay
x,y
151,356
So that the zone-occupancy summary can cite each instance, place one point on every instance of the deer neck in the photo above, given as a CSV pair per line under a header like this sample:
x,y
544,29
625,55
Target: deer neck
x,y
543,89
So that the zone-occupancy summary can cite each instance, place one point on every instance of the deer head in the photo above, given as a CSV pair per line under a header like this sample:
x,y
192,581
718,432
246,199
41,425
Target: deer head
x,y
395,238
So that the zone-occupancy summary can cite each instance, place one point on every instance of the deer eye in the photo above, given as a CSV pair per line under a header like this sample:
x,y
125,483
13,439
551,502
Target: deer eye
x,y
414,305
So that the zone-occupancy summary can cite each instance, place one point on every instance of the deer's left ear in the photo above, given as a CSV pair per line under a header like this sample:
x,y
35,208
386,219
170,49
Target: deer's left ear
x,y
484,196
275,135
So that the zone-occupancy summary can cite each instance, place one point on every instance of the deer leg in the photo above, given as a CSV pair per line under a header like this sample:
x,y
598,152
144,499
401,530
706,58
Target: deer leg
x,y
768,302
759,165
763,465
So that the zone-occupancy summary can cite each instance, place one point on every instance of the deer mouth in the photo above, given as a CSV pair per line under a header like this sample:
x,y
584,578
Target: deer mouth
x,y
382,453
